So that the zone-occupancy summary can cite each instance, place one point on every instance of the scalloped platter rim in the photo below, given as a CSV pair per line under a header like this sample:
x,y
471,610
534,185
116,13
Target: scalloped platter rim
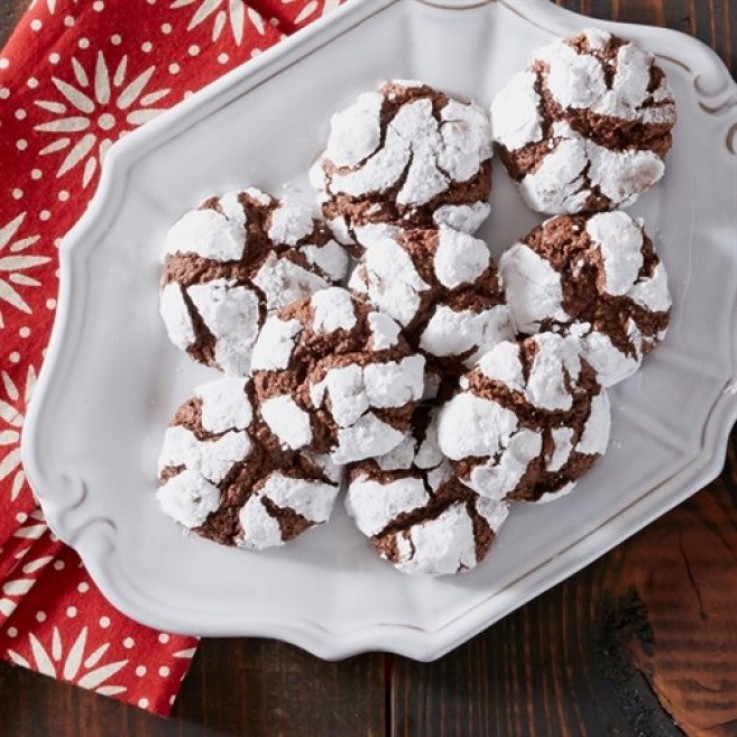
x,y
111,380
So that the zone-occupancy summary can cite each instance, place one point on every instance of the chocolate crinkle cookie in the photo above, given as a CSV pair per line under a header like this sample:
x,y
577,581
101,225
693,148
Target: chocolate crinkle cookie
x,y
231,262
416,514
443,288
597,278
334,375
405,156
223,476
587,127
529,420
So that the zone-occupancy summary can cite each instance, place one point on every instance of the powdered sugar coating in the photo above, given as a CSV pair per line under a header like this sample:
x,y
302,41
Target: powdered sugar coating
x,y
394,383
344,368
212,459
472,427
189,499
566,177
331,259
219,478
466,218
225,405
288,421
234,260
579,81
595,438
393,283
404,155
528,420
416,514
574,80
332,310
653,294
346,389
276,343
384,331
443,288
176,317
456,145
260,529
446,544
563,441
355,132
373,505
620,240
489,427
290,223
311,500
596,278
368,436
612,365
286,491
555,365
281,281
354,391
587,126
515,116
466,333
231,314
459,258
207,233
534,289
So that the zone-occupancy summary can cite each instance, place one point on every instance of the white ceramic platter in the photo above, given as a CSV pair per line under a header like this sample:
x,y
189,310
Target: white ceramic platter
x,y
112,380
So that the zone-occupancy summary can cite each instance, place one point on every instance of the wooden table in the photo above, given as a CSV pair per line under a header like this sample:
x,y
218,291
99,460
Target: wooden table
x,y
643,642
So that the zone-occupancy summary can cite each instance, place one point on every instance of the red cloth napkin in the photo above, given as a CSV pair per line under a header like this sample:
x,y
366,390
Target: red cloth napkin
x,y
75,76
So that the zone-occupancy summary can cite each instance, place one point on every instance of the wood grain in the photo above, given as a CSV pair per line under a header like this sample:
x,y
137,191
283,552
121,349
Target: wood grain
x,y
642,643
235,687
10,13
712,21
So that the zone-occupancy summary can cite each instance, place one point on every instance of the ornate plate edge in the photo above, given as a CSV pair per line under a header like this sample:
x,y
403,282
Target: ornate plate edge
x,y
717,94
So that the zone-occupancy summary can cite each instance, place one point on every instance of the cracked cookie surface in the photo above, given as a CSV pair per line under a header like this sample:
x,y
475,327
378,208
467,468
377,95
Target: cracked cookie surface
x,y
223,475
443,288
233,261
528,421
587,127
405,156
414,511
334,375
594,277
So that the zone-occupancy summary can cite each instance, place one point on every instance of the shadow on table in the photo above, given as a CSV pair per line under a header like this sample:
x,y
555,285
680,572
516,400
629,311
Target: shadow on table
x,y
262,688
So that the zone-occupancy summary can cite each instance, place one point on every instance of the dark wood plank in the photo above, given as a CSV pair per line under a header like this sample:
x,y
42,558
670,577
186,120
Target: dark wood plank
x,y
641,643
236,687
712,21
636,643
10,13
259,687
643,637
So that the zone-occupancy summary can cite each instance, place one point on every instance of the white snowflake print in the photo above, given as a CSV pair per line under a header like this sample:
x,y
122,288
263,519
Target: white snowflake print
x,y
14,262
16,588
102,106
50,5
233,12
34,526
310,8
11,424
73,664
186,654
